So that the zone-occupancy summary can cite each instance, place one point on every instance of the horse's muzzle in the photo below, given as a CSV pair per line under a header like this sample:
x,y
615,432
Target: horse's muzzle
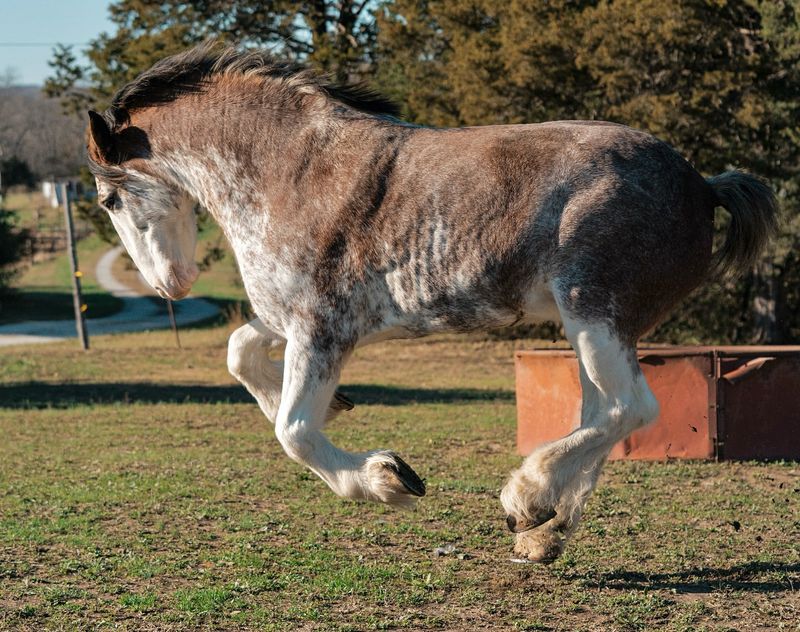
x,y
179,283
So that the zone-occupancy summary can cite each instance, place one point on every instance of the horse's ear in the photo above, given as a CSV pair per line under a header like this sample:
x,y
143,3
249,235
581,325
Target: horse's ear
x,y
102,136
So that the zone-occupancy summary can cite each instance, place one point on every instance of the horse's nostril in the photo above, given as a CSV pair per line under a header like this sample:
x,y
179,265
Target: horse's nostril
x,y
511,521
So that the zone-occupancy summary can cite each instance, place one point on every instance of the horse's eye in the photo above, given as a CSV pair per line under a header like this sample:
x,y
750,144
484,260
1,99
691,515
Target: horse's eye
x,y
112,202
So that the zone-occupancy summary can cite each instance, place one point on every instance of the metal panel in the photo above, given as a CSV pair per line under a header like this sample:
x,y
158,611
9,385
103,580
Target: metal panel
x,y
684,428
548,403
716,402
761,396
548,397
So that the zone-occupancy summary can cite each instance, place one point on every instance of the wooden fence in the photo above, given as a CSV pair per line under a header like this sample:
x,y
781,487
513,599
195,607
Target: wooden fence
x,y
47,242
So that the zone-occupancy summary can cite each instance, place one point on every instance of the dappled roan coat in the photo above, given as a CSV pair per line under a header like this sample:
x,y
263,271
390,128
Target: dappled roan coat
x,y
350,226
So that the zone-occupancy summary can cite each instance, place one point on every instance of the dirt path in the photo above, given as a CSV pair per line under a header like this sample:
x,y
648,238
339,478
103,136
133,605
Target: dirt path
x,y
138,313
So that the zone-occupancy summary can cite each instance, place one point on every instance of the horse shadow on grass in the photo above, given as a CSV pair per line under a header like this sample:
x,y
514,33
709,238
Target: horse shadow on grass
x,y
762,577
36,395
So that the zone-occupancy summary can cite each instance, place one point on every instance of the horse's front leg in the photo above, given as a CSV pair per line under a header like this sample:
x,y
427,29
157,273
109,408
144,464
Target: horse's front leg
x,y
311,373
249,362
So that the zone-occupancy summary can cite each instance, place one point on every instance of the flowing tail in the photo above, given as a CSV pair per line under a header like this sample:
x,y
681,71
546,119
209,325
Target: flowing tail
x,y
754,220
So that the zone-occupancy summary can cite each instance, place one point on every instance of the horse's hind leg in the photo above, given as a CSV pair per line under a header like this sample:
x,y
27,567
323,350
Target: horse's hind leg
x,y
546,542
554,482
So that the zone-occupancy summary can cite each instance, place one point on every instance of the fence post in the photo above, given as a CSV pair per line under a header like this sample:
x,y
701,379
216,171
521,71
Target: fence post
x,y
77,298
173,323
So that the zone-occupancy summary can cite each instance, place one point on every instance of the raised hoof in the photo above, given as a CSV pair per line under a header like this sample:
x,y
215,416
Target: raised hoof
x,y
341,402
520,525
543,546
408,477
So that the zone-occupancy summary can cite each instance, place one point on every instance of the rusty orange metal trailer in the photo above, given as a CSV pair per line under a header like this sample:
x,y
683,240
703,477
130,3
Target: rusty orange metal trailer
x,y
716,402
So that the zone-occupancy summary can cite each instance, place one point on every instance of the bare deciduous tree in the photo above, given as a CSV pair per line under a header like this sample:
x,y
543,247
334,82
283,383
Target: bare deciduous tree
x,y
35,130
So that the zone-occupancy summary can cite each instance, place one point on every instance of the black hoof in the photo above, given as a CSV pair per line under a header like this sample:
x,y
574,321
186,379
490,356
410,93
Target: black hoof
x,y
408,477
545,515
526,524
341,402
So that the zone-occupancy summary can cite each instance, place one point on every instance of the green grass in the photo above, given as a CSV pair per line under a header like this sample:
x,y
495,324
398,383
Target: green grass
x,y
141,488
221,281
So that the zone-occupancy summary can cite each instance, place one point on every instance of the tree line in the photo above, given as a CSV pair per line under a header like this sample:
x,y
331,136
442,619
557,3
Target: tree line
x,y
717,79
36,139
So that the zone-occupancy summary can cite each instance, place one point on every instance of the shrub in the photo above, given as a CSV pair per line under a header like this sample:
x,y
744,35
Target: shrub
x,y
12,242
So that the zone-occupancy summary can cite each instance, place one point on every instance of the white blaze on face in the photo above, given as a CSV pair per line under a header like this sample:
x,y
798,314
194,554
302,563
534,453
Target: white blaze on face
x,y
158,229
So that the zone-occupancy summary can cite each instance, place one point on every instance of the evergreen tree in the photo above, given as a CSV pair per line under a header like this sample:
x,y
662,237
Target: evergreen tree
x,y
336,36
479,62
12,242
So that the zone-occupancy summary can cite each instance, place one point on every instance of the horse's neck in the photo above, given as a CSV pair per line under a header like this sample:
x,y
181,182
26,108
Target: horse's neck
x,y
234,170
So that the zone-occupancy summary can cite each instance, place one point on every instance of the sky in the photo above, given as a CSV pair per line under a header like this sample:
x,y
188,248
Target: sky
x,y
45,23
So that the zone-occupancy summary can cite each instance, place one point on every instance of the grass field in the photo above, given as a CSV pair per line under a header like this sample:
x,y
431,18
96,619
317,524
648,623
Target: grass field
x,y
141,489
32,210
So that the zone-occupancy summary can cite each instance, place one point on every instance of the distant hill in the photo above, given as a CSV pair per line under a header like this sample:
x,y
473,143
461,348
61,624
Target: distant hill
x,y
20,89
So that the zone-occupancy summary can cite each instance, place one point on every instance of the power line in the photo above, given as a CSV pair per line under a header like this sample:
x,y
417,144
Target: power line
x,y
34,44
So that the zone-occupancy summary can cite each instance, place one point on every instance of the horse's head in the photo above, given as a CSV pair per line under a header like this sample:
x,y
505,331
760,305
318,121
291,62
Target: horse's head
x,y
154,219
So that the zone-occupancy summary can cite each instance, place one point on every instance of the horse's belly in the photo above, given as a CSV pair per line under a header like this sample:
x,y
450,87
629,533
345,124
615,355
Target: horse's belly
x,y
426,304
540,305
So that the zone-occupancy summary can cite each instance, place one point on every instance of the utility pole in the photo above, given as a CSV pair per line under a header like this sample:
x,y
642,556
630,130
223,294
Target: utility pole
x,y
77,299
1,177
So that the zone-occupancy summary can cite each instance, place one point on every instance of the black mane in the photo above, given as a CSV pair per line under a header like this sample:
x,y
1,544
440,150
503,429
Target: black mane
x,y
189,72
